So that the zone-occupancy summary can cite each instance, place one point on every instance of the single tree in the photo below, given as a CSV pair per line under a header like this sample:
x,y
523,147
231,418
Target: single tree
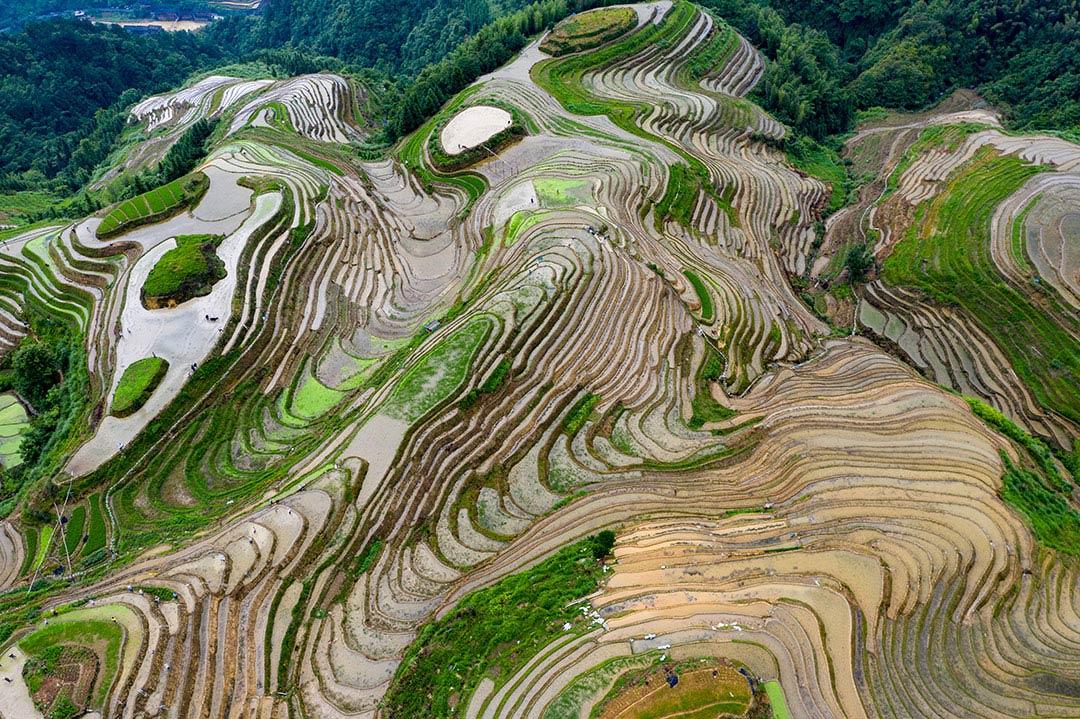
x,y
858,262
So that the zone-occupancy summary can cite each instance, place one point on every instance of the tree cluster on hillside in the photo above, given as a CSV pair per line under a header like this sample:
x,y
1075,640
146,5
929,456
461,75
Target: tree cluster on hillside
x,y
828,56
394,35
64,89
48,372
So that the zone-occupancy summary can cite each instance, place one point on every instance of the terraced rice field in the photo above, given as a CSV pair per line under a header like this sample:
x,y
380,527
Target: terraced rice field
x,y
377,476
153,205
966,290
13,424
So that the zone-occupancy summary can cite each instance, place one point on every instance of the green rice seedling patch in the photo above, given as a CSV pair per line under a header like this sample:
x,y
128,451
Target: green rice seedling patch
x,y
14,422
946,254
43,543
279,116
12,232
703,690
95,530
685,185
73,530
568,704
162,593
361,370
37,250
579,414
493,632
708,311
439,372
30,541
138,382
313,399
519,222
587,30
562,192
562,77
1017,244
491,384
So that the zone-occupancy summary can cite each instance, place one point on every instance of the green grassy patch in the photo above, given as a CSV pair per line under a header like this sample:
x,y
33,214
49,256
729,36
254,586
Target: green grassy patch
x,y
18,207
89,633
1042,493
587,30
825,164
448,163
579,414
411,155
685,185
947,137
138,382
704,408
30,540
713,53
188,270
946,254
493,632
155,205
776,699
1053,519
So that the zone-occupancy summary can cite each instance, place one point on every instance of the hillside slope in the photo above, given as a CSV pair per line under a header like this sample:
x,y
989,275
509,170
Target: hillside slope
x,y
511,437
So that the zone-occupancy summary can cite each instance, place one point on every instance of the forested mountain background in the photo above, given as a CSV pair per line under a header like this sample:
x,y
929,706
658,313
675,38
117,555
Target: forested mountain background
x,y
1023,55
64,86
16,13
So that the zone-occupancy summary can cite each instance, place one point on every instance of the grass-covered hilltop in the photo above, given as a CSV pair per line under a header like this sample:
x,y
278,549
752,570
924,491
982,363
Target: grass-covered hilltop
x,y
494,359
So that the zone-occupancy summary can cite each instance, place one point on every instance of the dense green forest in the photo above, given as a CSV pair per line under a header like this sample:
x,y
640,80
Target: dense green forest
x,y
64,88
830,56
16,13
395,35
